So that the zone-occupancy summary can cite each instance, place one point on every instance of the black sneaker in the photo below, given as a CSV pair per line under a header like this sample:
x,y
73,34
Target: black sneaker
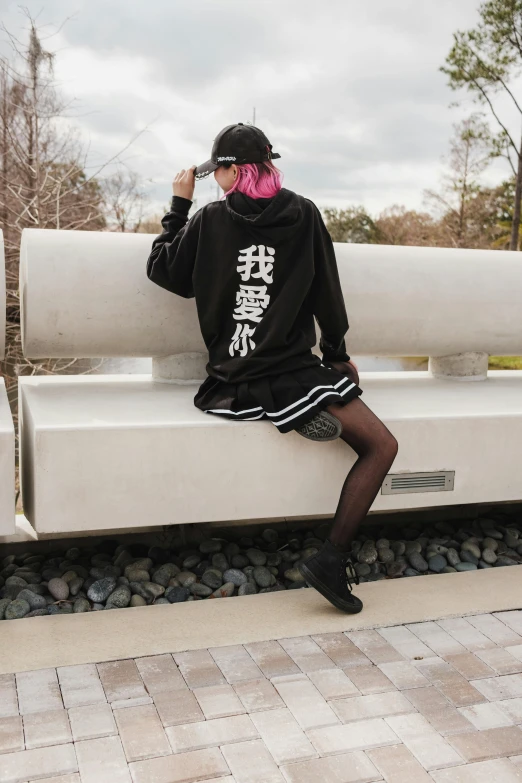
x,y
332,573
323,426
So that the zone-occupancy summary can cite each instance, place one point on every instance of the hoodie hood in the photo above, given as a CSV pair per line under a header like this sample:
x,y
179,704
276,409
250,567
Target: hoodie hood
x,y
282,211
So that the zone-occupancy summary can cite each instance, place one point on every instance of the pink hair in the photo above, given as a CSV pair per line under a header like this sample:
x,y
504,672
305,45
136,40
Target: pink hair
x,y
257,180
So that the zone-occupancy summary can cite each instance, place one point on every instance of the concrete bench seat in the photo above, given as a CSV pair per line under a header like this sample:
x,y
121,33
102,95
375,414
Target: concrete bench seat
x,y
124,452
112,452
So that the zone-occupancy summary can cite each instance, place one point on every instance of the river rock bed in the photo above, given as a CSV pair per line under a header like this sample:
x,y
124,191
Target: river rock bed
x,y
115,576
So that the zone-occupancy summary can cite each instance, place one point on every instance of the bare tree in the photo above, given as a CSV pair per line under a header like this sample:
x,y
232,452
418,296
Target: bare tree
x,y
485,61
471,151
45,181
124,200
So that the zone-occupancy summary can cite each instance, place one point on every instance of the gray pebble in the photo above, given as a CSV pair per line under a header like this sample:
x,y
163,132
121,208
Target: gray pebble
x,y
231,549
135,574
138,588
489,556
294,575
191,561
470,546
162,576
385,555
465,566
235,576
200,590
143,563
468,557
256,557
4,603
452,556
270,536
411,572
120,597
58,589
220,562
239,561
262,576
490,543
100,572
437,563
439,549
75,585
186,578
176,595
490,532
161,600
37,613
137,600
16,581
212,578
35,601
417,562
448,570
274,559
150,588
367,553
413,546
398,547
100,590
483,564
29,576
363,569
16,609
210,545
503,560
395,569
225,591
81,605
247,589
60,609
38,589
124,559
511,539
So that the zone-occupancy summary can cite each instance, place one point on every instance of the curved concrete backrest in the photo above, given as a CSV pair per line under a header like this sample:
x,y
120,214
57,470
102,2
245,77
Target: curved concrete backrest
x,y
2,296
86,294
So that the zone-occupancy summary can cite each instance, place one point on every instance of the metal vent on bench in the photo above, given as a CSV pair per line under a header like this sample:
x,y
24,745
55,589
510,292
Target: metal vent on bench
x,y
400,483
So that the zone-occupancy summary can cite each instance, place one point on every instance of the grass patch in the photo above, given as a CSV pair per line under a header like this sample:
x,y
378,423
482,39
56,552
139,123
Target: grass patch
x,y
505,363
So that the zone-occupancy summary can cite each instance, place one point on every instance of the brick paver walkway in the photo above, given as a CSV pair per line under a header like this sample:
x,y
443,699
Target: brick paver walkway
x,y
433,701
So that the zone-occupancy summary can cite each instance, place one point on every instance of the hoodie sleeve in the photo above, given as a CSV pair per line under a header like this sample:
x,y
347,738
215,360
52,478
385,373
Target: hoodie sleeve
x,y
171,261
327,296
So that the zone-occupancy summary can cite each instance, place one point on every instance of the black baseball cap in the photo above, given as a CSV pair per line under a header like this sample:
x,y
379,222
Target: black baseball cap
x,y
237,143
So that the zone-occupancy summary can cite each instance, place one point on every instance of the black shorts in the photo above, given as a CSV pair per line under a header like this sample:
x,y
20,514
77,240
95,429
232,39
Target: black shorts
x,y
289,399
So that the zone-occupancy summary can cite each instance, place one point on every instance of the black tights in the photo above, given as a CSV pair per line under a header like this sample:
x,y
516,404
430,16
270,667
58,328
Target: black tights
x,y
376,449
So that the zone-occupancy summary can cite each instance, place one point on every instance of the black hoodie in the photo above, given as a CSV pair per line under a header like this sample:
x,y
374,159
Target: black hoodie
x,y
260,270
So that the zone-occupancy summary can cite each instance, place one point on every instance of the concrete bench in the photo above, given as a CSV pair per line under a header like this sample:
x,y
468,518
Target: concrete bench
x,y
7,435
123,452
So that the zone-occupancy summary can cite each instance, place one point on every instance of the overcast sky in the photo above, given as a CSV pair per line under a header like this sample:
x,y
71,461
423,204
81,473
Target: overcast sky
x,y
348,92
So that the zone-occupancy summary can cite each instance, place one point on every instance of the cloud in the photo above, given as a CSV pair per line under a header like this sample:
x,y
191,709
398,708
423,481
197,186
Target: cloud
x,y
349,93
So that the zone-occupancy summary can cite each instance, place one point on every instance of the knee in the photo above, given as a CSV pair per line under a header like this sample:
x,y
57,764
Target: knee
x,y
391,447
